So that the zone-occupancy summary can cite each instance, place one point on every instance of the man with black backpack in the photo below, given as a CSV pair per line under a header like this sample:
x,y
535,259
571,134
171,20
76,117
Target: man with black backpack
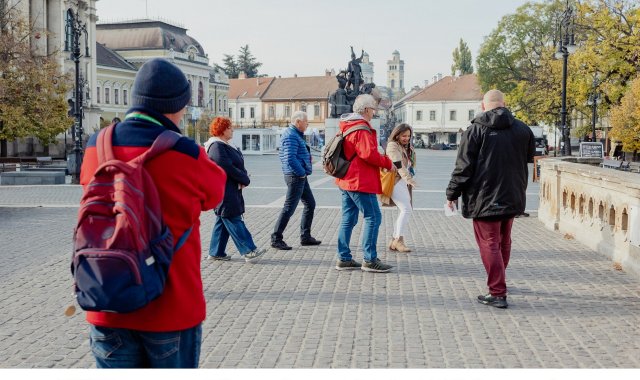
x,y
164,328
360,185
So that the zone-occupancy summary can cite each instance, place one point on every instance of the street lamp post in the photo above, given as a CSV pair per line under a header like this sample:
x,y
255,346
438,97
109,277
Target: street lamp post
x,y
74,28
593,101
566,46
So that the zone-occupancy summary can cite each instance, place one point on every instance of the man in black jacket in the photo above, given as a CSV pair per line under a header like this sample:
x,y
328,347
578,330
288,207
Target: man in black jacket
x,y
491,175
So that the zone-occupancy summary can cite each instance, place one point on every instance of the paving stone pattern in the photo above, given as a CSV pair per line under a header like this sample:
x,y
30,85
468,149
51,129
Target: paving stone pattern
x,y
569,308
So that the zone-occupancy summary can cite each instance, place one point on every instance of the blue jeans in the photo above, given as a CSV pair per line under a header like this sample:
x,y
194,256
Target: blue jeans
x,y
297,189
234,227
352,203
123,348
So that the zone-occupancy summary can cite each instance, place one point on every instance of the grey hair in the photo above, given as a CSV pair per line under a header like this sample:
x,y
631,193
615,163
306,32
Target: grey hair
x,y
364,101
298,115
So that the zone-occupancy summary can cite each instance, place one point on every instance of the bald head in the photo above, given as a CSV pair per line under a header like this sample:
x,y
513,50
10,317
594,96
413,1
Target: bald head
x,y
492,99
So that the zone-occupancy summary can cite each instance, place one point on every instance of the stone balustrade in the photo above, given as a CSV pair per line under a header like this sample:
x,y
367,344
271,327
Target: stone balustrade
x,y
599,207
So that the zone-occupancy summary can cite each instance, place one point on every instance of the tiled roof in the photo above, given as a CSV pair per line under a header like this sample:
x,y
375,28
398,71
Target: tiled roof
x,y
301,88
250,88
450,88
109,58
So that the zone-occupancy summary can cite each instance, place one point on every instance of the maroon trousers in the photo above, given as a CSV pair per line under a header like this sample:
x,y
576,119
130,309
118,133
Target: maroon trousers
x,y
494,241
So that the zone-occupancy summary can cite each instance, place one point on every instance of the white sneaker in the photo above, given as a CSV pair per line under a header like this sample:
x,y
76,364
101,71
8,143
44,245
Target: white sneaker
x,y
254,255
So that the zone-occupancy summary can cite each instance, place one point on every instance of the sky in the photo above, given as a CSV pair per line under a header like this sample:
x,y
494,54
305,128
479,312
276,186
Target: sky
x,y
305,37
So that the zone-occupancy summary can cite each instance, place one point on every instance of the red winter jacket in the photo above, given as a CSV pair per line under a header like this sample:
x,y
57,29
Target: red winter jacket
x,y
188,183
364,172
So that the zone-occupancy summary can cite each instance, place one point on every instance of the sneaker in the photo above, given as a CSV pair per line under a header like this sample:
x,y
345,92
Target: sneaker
x,y
489,300
310,241
254,255
281,245
376,266
348,265
220,258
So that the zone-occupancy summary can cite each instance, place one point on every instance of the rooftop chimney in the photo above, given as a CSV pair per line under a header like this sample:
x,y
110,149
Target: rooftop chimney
x,y
295,75
439,76
426,83
242,75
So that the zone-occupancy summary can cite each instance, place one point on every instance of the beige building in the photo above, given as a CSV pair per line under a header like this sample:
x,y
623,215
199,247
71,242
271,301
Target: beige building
x,y
309,94
245,100
138,41
441,111
114,84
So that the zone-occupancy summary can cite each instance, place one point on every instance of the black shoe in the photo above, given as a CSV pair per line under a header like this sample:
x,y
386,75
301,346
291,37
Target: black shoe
x,y
310,241
281,245
348,265
523,215
489,300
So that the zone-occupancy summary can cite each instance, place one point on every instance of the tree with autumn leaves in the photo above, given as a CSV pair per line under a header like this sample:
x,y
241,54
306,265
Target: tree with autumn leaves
x,y
517,58
32,89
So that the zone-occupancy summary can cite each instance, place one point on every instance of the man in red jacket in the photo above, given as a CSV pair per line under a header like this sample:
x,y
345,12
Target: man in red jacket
x,y
360,186
167,332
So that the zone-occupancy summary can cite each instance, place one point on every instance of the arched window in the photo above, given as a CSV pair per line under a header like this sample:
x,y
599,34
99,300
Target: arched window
x,y
200,95
191,98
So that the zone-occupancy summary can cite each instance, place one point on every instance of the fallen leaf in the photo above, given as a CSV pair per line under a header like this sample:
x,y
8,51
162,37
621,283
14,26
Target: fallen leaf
x,y
617,267
70,311
568,236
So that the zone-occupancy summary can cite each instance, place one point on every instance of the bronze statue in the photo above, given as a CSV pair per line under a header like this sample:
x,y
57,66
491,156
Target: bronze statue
x,y
350,85
355,71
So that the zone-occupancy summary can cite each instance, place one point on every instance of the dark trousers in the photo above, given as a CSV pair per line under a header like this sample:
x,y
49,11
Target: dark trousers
x,y
494,241
297,189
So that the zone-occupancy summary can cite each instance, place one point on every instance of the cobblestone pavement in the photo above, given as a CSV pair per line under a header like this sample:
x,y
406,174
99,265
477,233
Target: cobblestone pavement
x,y
569,307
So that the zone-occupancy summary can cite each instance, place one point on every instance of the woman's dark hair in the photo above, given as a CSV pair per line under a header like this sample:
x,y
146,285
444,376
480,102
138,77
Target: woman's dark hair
x,y
398,130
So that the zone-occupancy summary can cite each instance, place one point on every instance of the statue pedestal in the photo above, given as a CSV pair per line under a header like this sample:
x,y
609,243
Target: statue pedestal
x,y
331,128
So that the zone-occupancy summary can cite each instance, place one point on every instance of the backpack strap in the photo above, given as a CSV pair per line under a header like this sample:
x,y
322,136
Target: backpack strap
x,y
165,141
359,127
104,145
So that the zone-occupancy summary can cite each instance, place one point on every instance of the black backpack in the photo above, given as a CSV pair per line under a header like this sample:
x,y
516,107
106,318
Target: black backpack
x,y
334,161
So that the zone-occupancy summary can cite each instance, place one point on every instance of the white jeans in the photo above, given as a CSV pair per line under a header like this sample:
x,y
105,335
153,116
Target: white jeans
x,y
402,199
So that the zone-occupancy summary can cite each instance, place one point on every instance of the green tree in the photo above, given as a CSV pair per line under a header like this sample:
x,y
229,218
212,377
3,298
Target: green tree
x,y
230,67
32,88
517,58
247,63
462,59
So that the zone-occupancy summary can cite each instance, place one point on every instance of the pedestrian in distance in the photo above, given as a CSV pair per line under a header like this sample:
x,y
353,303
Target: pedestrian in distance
x,y
229,213
167,332
360,186
403,156
491,176
295,156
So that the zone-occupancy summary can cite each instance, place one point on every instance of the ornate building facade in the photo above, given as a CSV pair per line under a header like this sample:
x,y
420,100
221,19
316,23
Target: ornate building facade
x,y
50,19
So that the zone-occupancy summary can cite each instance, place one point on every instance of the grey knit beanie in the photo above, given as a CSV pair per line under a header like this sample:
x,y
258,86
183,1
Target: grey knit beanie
x,y
161,86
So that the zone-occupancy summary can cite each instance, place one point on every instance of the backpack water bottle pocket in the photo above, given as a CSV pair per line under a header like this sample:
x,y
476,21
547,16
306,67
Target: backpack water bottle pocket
x,y
108,280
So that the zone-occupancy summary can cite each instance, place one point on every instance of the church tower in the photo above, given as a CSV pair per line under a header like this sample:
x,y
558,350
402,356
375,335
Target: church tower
x,y
367,68
395,75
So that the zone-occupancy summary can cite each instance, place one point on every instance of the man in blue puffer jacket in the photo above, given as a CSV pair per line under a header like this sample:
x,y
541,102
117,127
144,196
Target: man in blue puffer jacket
x,y
296,165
